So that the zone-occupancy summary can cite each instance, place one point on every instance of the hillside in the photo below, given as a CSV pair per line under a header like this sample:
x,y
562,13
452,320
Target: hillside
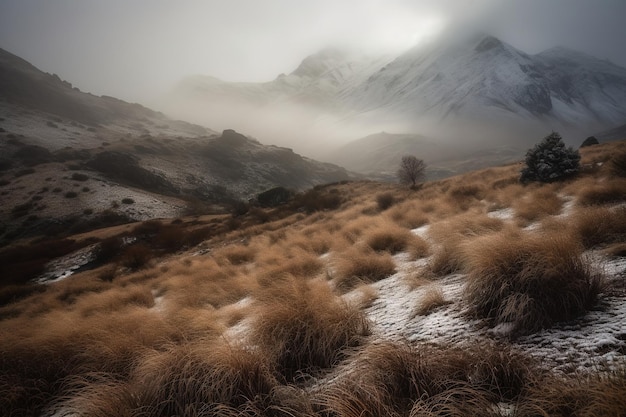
x,y
73,161
474,295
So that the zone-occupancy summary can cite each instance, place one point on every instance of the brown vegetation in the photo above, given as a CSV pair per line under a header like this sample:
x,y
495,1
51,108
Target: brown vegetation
x,y
267,313
529,281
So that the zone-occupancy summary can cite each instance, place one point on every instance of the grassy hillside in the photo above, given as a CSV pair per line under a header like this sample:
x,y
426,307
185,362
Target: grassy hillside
x,y
474,295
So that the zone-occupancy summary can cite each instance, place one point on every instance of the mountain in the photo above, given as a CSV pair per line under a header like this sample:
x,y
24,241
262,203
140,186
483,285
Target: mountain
x,y
468,89
485,78
69,159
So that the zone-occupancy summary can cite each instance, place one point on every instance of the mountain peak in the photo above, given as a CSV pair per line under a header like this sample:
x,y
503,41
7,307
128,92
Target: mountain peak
x,y
318,63
488,42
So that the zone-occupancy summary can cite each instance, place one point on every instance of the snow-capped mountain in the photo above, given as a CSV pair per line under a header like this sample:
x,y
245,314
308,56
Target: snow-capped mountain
x,y
317,81
483,78
479,79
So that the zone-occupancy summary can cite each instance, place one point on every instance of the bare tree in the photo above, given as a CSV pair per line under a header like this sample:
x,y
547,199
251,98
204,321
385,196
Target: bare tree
x,y
411,171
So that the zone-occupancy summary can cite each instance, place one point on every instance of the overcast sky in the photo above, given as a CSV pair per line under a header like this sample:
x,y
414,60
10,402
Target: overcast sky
x,y
135,49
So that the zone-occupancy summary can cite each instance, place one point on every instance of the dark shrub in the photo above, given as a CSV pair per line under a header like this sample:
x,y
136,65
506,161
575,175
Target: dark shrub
x,y
274,197
128,201
550,161
71,194
79,177
384,201
136,256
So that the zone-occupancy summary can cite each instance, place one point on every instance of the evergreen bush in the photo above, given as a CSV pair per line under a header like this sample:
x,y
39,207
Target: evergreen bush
x,y
550,161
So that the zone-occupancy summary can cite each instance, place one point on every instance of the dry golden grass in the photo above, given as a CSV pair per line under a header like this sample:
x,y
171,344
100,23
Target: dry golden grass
x,y
408,214
599,225
538,203
431,298
576,395
202,378
394,379
606,192
354,267
304,328
248,327
390,238
235,255
530,281
452,234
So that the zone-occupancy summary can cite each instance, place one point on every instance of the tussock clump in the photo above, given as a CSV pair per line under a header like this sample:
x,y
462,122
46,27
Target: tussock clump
x,y
607,192
617,164
418,247
430,299
447,258
408,215
305,328
37,355
529,281
599,225
389,238
394,379
318,243
385,200
538,204
202,379
236,255
356,266
576,395
450,236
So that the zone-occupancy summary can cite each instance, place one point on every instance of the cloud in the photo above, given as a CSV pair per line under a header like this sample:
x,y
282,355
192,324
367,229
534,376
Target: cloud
x,y
137,49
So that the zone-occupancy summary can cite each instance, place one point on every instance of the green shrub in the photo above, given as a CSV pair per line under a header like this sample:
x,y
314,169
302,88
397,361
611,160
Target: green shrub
x,y
550,161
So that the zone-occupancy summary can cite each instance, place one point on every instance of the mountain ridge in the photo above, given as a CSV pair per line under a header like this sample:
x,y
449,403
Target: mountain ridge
x,y
479,80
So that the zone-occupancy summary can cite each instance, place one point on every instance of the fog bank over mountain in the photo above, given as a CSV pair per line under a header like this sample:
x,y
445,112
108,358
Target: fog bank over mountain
x,y
472,90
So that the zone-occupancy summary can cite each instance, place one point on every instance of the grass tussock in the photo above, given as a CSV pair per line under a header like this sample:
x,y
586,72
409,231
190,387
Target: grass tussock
x,y
394,379
389,238
385,200
528,281
431,298
305,328
408,214
202,379
450,236
576,395
236,254
596,226
539,203
607,192
354,267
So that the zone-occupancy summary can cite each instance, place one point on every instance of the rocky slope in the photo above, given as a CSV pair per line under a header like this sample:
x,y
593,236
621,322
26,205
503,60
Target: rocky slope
x,y
68,158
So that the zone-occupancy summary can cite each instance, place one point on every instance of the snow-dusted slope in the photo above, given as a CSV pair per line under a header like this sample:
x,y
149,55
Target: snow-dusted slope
x,y
484,78
478,79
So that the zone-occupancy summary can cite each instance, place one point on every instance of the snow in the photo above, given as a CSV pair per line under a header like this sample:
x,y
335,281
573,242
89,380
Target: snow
x,y
594,341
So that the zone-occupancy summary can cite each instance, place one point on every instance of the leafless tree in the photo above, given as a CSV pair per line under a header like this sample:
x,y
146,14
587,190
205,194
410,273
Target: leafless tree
x,y
411,171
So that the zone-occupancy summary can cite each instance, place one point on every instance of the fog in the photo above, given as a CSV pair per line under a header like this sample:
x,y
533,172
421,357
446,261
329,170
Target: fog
x,y
140,50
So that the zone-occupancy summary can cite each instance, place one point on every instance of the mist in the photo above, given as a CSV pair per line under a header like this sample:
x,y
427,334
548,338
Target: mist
x,y
140,51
